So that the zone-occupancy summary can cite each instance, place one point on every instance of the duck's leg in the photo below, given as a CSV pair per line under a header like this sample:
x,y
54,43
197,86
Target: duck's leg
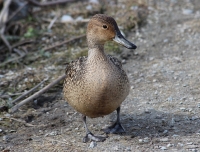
x,y
89,136
116,127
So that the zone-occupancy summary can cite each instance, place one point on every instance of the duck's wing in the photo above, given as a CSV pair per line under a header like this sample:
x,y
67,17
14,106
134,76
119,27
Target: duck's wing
x,y
115,61
75,69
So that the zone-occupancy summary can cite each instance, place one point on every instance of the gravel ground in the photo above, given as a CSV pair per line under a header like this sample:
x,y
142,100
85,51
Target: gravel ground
x,y
162,111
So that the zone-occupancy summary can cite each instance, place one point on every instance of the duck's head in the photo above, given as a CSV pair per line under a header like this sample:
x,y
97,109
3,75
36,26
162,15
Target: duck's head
x,y
102,28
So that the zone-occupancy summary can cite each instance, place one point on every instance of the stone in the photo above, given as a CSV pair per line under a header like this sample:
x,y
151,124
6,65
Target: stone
x,y
164,139
93,144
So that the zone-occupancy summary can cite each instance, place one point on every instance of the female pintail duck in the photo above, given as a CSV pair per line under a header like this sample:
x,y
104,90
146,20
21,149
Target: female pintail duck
x,y
97,85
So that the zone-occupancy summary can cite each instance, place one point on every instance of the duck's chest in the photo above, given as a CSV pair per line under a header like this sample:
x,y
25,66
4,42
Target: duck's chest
x,y
104,75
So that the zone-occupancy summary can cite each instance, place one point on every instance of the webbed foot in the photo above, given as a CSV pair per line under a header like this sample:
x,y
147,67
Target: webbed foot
x,y
116,128
92,137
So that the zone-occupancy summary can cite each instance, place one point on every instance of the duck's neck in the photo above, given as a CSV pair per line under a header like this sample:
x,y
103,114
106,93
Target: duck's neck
x,y
96,52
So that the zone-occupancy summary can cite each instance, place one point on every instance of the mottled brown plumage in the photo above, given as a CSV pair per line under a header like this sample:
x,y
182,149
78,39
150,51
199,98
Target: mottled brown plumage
x,y
97,85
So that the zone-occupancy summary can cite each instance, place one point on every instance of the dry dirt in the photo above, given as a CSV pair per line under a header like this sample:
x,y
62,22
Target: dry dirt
x,y
162,111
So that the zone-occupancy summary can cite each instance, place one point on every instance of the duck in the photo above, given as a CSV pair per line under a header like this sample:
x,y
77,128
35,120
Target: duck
x,y
96,85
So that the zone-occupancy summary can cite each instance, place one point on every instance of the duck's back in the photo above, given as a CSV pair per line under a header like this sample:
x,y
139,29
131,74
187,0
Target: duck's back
x,y
95,89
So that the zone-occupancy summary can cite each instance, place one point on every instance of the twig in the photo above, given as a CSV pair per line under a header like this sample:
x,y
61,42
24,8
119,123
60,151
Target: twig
x,y
18,52
35,95
50,3
64,42
75,21
4,13
3,20
28,92
11,60
6,42
24,122
52,22
22,43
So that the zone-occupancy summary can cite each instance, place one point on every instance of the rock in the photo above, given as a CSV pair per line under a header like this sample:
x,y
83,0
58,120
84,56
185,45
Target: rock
x,y
79,18
89,7
183,108
194,117
175,135
163,148
7,115
190,143
165,131
94,1
146,140
184,98
164,139
93,144
187,11
170,145
166,40
191,146
66,18
123,61
154,80
170,99
180,144
5,138
116,148
53,133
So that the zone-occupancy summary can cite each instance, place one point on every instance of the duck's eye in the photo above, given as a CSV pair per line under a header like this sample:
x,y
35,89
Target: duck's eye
x,y
105,26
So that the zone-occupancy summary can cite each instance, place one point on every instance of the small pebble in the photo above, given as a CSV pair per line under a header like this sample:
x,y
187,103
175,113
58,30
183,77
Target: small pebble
x,y
94,1
7,115
175,135
169,145
190,143
89,7
180,144
165,131
195,117
116,148
182,108
66,18
187,11
185,85
5,138
164,139
170,99
163,148
93,144
123,61
166,40
79,18
184,98
146,140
